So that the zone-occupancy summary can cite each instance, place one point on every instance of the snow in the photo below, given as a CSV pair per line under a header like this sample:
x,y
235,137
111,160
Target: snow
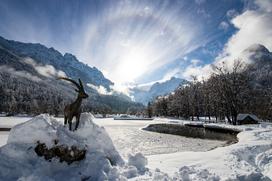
x,y
249,159
8,122
3,137
138,160
102,161
129,138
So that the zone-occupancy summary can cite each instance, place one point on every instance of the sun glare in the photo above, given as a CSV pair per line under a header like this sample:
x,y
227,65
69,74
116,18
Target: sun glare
x,y
133,64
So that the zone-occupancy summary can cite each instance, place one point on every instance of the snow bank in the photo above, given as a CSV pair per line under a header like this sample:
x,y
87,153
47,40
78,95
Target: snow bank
x,y
19,160
249,159
138,160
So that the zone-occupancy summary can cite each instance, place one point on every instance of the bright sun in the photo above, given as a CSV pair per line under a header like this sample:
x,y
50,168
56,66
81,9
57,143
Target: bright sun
x,y
133,64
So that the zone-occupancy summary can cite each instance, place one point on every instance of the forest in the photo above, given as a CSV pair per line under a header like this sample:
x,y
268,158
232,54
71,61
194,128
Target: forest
x,y
24,95
228,92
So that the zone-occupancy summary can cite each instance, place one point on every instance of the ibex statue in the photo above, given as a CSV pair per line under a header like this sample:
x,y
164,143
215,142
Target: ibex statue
x,y
73,110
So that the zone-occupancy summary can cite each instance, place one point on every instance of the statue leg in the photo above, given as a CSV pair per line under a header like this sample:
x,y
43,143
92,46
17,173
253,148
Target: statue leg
x,y
77,121
70,123
65,120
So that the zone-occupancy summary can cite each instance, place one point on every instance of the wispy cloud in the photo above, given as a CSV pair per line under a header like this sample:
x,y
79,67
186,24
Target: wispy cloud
x,y
199,2
126,38
115,89
141,39
19,73
45,70
100,89
223,26
254,27
232,13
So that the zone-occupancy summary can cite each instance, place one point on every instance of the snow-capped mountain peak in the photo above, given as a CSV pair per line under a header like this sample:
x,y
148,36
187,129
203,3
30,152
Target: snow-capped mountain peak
x,y
156,89
256,53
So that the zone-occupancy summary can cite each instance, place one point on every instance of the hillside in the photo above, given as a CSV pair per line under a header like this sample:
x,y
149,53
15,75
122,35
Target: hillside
x,y
28,81
157,89
246,87
67,63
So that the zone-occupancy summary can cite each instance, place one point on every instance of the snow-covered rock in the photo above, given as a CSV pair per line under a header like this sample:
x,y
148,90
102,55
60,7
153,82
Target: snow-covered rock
x,y
102,161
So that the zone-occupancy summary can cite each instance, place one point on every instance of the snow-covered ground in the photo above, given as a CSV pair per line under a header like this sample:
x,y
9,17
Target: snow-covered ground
x,y
8,122
3,137
101,160
249,159
128,137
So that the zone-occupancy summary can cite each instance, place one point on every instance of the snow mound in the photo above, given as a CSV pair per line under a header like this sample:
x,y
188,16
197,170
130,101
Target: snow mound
x,y
138,160
190,173
249,159
19,160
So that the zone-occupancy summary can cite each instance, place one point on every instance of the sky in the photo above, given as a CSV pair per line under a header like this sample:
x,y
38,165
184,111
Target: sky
x,y
141,41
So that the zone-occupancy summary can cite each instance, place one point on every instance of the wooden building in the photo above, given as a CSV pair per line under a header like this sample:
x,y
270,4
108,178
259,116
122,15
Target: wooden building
x,y
247,119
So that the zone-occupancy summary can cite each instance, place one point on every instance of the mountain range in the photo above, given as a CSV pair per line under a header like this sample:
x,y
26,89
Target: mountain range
x,y
31,69
28,74
67,63
259,60
144,95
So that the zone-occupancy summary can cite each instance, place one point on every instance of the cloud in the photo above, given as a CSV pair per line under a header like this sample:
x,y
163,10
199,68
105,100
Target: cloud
x,y
124,88
265,5
232,13
198,71
22,74
138,39
175,72
171,73
203,13
114,89
223,26
254,27
199,2
45,70
126,39
100,89
195,62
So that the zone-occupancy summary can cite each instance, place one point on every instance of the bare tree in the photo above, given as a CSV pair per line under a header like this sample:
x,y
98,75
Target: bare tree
x,y
149,110
228,92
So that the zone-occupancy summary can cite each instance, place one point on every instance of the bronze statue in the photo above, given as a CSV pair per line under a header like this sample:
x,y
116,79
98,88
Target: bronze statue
x,y
73,109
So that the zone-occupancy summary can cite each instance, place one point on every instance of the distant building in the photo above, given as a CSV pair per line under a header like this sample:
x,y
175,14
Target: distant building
x,y
247,119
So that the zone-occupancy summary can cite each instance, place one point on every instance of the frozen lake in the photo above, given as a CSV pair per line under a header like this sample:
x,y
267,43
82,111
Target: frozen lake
x,y
128,137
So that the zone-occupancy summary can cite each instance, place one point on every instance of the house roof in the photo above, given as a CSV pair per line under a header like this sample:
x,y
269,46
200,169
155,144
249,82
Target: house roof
x,y
241,117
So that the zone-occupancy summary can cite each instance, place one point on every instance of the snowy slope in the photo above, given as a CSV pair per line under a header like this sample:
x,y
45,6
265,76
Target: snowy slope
x,y
67,63
256,53
260,68
101,162
18,159
249,159
28,75
157,89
